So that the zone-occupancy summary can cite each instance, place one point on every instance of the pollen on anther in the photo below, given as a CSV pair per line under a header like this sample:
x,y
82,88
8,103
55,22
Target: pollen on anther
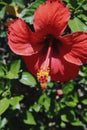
x,y
43,77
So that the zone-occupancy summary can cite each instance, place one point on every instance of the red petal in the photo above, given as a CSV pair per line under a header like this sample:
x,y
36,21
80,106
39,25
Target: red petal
x,y
61,70
21,39
77,42
51,17
33,62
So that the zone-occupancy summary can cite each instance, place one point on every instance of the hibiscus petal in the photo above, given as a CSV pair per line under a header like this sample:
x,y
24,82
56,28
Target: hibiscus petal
x,y
77,42
51,17
21,39
30,62
62,71
34,62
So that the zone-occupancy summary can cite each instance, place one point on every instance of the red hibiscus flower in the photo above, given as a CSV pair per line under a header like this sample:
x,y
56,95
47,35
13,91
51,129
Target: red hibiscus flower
x,y
46,52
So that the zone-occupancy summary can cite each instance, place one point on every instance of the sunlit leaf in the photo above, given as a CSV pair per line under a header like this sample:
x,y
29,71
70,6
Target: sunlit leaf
x,y
63,124
1,87
31,9
29,119
3,122
2,12
14,101
14,70
77,123
3,3
83,17
20,3
2,34
4,104
28,79
1,73
36,107
67,88
27,13
45,101
77,25
84,101
71,101
85,114
64,118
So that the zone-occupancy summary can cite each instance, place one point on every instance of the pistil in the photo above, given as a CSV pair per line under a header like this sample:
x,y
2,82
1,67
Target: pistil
x,y
43,75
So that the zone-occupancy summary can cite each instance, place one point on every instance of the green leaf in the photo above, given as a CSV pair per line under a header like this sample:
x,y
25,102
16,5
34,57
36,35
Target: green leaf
x,y
67,1
20,3
50,84
29,119
28,79
36,107
68,115
3,122
84,101
64,118
7,92
82,74
15,66
3,66
3,69
2,34
1,73
84,7
83,17
85,114
31,9
42,98
77,25
2,12
71,101
67,88
45,101
14,101
29,19
63,125
1,87
3,3
14,70
77,123
73,3
4,104
27,13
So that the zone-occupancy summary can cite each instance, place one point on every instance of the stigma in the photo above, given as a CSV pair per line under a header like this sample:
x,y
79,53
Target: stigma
x,y
43,76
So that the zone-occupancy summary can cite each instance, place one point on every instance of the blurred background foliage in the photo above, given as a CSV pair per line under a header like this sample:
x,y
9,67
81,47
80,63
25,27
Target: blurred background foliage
x,y
23,105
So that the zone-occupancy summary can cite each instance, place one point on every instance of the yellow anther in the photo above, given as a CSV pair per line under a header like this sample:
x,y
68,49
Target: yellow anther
x,y
43,76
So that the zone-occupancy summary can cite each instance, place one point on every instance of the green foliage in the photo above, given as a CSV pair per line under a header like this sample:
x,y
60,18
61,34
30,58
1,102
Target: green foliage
x,y
78,25
78,21
28,79
20,3
30,119
27,13
14,70
4,104
2,12
23,104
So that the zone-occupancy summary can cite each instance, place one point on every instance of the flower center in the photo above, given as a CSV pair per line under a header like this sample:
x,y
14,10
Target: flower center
x,y
43,75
